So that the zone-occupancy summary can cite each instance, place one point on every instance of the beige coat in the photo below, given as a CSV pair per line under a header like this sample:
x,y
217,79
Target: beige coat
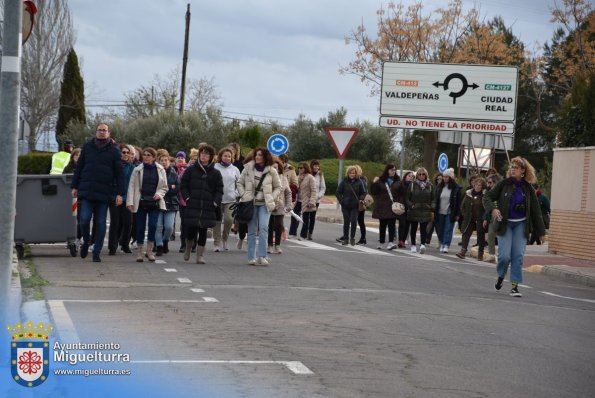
x,y
136,182
283,200
308,192
271,186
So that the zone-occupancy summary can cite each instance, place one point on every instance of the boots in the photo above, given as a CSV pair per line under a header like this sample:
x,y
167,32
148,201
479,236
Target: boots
x,y
165,246
461,254
309,237
150,255
159,251
187,249
200,251
141,254
480,256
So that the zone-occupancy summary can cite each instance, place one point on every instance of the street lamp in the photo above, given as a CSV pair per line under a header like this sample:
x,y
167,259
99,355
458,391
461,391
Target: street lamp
x,y
29,11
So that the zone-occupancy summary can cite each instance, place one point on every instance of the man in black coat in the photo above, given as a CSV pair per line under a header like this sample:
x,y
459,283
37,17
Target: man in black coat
x,y
98,171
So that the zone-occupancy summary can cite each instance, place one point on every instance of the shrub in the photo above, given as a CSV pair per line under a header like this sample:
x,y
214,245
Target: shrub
x,y
35,163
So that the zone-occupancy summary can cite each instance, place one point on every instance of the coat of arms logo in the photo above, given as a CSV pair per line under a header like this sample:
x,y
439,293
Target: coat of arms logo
x,y
29,353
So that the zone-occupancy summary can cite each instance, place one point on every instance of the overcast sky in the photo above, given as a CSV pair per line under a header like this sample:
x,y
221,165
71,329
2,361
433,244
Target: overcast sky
x,y
277,58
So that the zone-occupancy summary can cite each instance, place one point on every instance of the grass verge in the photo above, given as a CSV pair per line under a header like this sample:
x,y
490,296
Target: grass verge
x,y
31,281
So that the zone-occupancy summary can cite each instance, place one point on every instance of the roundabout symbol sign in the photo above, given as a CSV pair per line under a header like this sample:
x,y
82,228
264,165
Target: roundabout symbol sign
x,y
442,162
277,144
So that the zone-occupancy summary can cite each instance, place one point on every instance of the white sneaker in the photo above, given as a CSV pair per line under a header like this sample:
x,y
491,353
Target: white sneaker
x,y
252,262
239,244
133,246
379,247
262,261
225,245
445,249
277,250
413,249
391,246
269,249
216,249
422,249
291,236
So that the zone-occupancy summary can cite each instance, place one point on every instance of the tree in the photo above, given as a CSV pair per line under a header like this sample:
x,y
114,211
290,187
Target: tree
x,y
72,96
41,65
163,94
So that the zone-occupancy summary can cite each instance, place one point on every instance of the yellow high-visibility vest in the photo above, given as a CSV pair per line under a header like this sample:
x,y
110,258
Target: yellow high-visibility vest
x,y
59,161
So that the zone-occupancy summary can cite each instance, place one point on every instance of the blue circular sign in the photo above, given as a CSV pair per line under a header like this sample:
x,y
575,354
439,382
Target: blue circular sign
x,y
442,162
277,144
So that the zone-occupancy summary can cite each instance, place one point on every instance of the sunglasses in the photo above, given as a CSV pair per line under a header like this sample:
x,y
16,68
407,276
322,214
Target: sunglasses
x,y
125,152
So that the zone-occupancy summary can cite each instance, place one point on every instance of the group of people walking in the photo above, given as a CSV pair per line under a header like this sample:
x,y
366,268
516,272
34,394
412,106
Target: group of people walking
x,y
143,189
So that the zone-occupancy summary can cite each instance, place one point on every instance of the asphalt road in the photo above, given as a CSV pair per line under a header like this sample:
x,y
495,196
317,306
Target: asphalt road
x,y
324,320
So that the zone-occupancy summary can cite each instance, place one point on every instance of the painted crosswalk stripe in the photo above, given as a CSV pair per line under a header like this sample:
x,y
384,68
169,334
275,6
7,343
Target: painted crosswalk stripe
x,y
184,280
312,245
197,290
296,367
170,270
160,262
210,300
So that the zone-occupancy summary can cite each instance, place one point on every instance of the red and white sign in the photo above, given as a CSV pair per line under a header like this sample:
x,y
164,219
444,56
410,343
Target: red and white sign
x,y
472,126
341,139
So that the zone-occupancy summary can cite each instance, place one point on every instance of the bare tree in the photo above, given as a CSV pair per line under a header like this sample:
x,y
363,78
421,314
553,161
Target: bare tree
x,y
43,59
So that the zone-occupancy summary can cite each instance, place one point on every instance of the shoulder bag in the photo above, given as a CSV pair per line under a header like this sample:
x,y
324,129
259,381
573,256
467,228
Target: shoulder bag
x,y
396,207
361,205
243,212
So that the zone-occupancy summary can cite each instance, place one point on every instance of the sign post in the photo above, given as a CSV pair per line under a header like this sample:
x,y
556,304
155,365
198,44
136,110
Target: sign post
x,y
341,139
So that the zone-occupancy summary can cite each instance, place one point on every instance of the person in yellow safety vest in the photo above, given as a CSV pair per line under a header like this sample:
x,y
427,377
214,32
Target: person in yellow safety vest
x,y
61,159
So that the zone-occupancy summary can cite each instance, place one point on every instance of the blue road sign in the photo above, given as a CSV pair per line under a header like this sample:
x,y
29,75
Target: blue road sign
x,y
277,144
442,162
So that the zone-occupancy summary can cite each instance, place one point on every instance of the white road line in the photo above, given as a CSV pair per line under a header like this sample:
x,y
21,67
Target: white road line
x,y
569,298
210,300
160,262
295,367
197,290
311,245
170,270
369,250
63,322
184,280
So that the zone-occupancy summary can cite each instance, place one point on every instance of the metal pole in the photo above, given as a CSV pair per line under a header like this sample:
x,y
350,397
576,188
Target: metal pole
x,y
504,145
10,90
340,178
402,151
468,155
185,60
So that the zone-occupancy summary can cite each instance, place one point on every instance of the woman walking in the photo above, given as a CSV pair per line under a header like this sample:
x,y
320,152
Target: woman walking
x,y
513,203
307,197
282,206
473,212
147,188
259,183
489,224
402,189
120,217
165,222
384,191
350,192
230,175
420,202
448,204
202,189
321,189
361,214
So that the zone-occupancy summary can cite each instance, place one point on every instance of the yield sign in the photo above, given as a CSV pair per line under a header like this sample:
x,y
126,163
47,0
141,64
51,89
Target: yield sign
x,y
341,138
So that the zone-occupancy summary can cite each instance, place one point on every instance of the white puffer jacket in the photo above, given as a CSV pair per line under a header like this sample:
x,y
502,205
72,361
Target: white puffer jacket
x,y
271,186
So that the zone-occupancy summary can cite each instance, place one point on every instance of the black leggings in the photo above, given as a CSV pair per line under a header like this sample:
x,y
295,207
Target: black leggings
x,y
361,223
384,223
275,226
423,231
202,235
349,222
403,227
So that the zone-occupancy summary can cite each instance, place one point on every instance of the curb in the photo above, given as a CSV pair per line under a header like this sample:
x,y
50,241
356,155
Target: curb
x,y
563,273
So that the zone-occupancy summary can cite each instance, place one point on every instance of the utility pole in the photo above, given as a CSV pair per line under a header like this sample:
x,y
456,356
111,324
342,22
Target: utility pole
x,y
10,90
185,60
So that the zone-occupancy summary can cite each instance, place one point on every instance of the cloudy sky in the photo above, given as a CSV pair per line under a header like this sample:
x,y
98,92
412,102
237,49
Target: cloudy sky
x,y
271,58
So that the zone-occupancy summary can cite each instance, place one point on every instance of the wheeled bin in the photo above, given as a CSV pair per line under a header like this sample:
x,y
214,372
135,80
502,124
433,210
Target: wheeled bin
x,y
46,211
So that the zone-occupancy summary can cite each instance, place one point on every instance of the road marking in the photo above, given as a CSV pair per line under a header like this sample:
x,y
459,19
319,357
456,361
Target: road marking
x,y
369,250
569,298
312,245
63,322
160,262
205,300
295,367
210,300
170,270
184,280
197,290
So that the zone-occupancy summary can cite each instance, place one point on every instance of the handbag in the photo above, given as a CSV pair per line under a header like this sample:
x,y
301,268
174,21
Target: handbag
x,y
396,207
148,203
243,212
368,200
361,205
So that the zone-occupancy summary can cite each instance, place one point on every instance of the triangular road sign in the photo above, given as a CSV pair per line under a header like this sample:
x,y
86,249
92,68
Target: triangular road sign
x,y
341,139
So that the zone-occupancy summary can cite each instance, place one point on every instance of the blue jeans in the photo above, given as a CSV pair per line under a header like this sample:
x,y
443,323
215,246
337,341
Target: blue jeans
x,y
98,211
511,250
260,223
444,229
165,226
141,221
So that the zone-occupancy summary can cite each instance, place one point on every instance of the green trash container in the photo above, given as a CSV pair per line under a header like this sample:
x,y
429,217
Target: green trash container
x,y
45,211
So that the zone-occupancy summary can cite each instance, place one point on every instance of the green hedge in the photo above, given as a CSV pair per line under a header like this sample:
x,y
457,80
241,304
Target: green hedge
x,y
35,163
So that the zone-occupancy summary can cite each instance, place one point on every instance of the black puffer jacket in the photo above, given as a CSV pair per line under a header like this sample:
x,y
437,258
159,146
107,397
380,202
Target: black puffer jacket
x,y
455,201
383,209
202,192
171,197
98,172
345,194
